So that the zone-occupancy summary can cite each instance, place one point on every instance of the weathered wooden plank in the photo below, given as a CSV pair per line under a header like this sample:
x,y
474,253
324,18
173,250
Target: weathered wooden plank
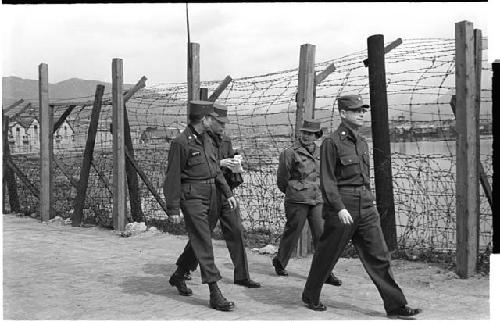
x,y
305,109
24,179
88,155
12,106
63,117
218,91
8,173
119,173
305,89
324,74
193,73
482,174
467,193
46,145
495,114
139,85
132,180
203,93
387,49
148,183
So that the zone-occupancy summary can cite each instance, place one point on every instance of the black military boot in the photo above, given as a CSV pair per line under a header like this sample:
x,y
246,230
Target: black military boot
x,y
217,300
178,280
280,270
333,280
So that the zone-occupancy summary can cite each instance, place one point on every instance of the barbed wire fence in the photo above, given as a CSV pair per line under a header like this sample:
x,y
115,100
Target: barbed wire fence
x,y
420,83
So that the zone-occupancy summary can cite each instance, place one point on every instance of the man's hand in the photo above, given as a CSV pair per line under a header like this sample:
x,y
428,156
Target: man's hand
x,y
175,218
229,162
232,202
345,217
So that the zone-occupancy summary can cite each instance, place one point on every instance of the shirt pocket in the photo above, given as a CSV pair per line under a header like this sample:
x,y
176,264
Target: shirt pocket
x,y
349,166
195,158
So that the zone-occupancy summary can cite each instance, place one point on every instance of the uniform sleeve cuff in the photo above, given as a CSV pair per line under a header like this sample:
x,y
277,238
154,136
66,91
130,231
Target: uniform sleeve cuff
x,y
172,212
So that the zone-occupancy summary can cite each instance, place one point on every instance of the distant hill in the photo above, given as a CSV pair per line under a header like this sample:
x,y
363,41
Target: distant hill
x,y
15,88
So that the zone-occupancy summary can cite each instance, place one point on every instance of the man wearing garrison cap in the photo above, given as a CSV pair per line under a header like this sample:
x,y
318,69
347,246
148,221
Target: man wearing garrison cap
x,y
298,179
230,219
349,213
192,179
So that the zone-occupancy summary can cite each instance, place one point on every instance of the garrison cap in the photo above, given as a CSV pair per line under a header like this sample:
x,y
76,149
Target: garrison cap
x,y
220,113
351,102
199,109
311,125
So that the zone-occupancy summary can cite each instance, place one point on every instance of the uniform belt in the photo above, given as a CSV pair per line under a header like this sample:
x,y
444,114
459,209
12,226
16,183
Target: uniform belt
x,y
198,181
353,188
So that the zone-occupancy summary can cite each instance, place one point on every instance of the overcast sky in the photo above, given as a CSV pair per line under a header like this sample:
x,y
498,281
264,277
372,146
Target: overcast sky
x,y
241,39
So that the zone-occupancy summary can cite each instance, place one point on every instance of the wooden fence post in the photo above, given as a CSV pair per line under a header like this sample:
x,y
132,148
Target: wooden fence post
x,y
305,109
381,139
119,174
495,113
203,93
478,64
46,145
132,180
8,174
12,106
218,91
467,188
193,73
63,117
77,216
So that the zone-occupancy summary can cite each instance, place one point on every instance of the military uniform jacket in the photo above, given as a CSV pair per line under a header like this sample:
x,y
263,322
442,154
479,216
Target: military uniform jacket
x,y
345,161
192,157
297,175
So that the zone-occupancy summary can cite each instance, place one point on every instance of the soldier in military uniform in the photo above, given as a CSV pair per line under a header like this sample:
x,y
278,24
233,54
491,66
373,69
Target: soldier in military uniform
x,y
192,179
297,178
349,213
230,219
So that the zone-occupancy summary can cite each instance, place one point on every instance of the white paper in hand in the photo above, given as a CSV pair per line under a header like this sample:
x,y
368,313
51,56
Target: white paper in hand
x,y
237,168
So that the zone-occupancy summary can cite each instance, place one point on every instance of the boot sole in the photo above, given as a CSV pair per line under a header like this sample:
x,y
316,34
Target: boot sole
x,y
401,317
318,308
180,292
223,309
334,284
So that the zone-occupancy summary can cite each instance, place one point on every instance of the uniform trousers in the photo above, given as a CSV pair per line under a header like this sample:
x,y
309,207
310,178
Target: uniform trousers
x,y
232,231
296,216
367,237
197,199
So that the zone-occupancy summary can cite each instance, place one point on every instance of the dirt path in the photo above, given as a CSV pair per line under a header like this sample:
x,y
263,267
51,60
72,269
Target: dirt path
x,y
55,271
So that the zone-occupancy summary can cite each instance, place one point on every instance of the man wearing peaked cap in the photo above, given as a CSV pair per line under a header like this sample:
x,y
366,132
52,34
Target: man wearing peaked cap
x,y
351,102
220,113
191,182
349,213
298,179
230,219
199,109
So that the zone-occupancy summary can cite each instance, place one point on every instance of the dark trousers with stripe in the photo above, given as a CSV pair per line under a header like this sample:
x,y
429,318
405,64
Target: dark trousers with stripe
x,y
232,231
367,237
196,202
296,216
